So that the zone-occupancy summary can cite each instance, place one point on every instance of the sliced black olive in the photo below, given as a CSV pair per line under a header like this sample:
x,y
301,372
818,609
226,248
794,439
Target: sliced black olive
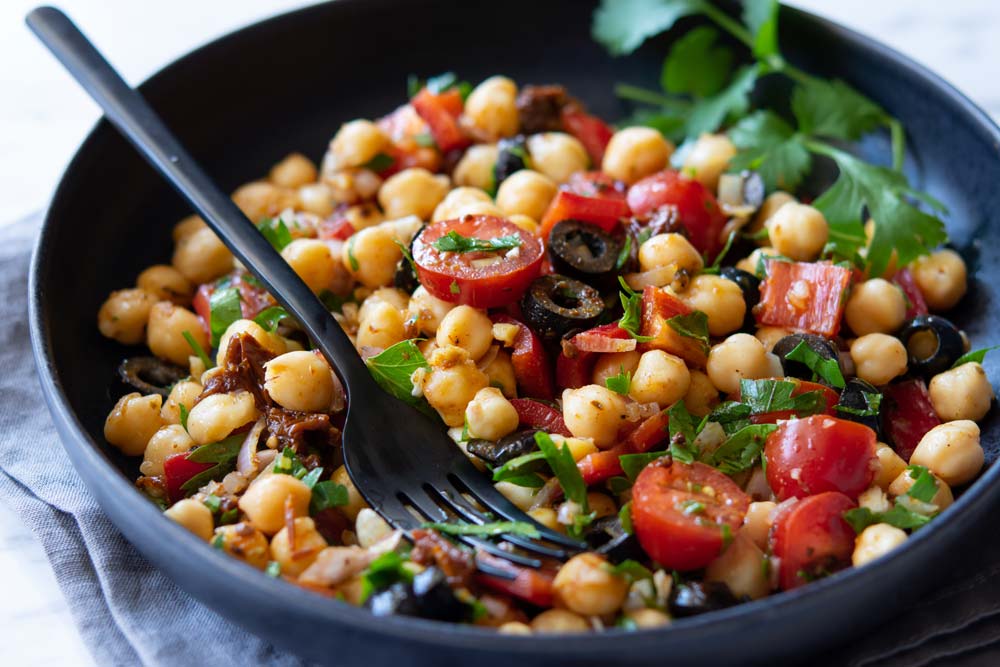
x,y
824,347
428,596
858,400
606,536
750,285
699,597
584,251
151,375
555,305
506,448
932,343
512,156
396,599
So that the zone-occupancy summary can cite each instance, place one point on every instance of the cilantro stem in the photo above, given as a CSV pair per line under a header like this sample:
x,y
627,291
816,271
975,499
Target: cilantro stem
x,y
898,142
727,23
636,94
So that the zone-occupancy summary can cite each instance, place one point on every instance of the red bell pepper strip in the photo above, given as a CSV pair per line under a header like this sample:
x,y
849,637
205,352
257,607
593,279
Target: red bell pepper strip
x,y
177,470
658,307
574,370
909,414
600,466
803,296
532,369
439,111
530,585
915,303
592,132
607,338
539,415
603,212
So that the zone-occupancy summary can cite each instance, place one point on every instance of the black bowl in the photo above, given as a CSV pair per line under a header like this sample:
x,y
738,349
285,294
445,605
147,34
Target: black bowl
x,y
244,101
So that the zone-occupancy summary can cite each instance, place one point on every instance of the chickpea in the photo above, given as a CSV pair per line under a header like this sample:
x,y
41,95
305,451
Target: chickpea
x,y
526,192
166,283
559,621
452,383
270,341
312,261
586,586
413,191
354,185
371,256
614,363
295,557
951,451
875,541
757,522
708,158
722,300
168,440
772,203
798,231
294,170
185,393
427,310
878,358
316,198
875,306
702,396
739,568
500,372
942,498
557,155
395,297
548,517
660,378
739,357
356,143
491,108
490,416
648,618
601,504
634,153
187,227
669,250
962,393
751,261
382,326
942,278
194,516
514,628
260,199
165,332
467,328
355,501
594,412
521,496
458,200
202,257
476,167
362,216
890,465
526,223
214,417
123,317
370,527
264,502
133,421
299,381
769,336
244,542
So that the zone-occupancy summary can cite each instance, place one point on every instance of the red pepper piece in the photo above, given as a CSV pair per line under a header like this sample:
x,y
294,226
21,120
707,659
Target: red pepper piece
x,y
538,415
909,415
532,369
803,296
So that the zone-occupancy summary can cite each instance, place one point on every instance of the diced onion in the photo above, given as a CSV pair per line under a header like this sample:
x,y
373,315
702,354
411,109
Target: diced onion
x,y
246,460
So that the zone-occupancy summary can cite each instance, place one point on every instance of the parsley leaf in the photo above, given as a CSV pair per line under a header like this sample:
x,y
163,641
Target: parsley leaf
x,y
393,370
827,369
764,396
222,454
771,147
731,415
270,317
224,308
975,355
694,325
326,495
631,320
620,383
380,162
632,464
198,350
276,232
682,433
454,288
709,114
742,449
623,25
351,259
561,461
631,570
898,516
455,242
384,571
761,18
486,529
924,487
696,64
834,109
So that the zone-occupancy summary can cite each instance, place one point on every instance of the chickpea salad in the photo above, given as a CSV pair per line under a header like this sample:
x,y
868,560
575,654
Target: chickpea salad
x,y
651,336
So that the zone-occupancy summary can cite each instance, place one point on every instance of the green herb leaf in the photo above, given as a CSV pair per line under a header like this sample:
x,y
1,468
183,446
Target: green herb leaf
x,y
710,113
312,477
184,415
620,383
379,163
625,253
771,147
222,453
273,569
486,529
213,503
631,320
692,506
425,139
682,433
384,571
224,308
393,368
351,259
976,355
406,255
834,109
198,350
924,487
898,516
827,369
621,26
326,495
219,542
331,301
270,317
731,415
633,464
442,82
717,264
625,516
761,18
694,325
741,450
696,64
619,485
455,242
230,516
561,462
632,571
764,396
454,288
276,232
525,464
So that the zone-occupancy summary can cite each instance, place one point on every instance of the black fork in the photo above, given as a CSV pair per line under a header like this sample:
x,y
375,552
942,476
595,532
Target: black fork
x,y
399,459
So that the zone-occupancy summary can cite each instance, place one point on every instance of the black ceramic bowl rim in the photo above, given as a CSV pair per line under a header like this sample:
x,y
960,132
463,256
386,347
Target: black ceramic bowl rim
x,y
156,528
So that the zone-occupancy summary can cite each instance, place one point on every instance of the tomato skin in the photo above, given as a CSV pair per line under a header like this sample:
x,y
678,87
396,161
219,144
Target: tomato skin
x,y
532,369
491,286
539,415
818,454
670,536
440,113
697,208
916,305
812,537
604,212
177,470
819,308
909,414
592,132
658,306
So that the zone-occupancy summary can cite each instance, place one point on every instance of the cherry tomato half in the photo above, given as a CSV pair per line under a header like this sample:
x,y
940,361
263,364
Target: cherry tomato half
x,y
817,454
812,539
679,523
478,279
697,208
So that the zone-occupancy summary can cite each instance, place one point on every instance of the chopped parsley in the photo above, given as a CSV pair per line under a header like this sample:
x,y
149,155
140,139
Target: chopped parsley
x,y
621,383
631,320
563,465
184,415
910,510
393,370
379,163
826,369
276,232
327,494
693,325
224,309
270,317
384,571
455,242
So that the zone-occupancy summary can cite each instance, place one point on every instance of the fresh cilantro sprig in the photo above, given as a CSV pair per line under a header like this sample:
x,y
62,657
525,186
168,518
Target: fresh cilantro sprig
x,y
486,529
742,450
631,320
683,431
455,242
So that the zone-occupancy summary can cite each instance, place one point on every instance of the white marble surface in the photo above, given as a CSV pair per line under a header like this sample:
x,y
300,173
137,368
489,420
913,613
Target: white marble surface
x,y
43,117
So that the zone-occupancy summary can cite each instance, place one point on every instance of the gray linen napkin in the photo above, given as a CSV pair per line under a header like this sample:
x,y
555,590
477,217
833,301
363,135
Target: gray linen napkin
x,y
130,614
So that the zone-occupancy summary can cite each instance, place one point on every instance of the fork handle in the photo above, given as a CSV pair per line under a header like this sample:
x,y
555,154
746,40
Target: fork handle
x,y
128,111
